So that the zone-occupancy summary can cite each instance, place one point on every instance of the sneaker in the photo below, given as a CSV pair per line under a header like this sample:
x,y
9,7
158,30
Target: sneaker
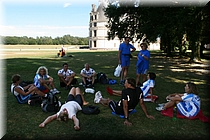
x,y
161,104
98,96
122,82
160,108
54,91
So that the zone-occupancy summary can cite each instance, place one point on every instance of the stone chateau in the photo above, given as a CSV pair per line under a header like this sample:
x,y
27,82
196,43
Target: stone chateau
x,y
98,31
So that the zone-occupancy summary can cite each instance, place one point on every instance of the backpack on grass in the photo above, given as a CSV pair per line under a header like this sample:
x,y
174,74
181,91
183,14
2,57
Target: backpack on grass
x,y
102,78
88,110
25,83
51,104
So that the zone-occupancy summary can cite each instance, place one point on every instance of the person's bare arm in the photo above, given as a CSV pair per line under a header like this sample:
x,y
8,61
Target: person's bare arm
x,y
48,120
125,109
18,90
141,103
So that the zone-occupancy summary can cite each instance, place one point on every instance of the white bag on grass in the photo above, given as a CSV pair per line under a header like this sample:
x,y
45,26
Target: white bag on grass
x,y
117,71
89,90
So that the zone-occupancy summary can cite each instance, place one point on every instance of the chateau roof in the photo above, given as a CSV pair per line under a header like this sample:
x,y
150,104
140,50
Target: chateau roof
x,y
101,16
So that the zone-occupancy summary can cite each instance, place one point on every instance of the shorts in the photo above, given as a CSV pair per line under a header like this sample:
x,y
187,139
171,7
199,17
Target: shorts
x,y
140,70
125,61
77,98
115,108
43,89
74,81
87,82
62,84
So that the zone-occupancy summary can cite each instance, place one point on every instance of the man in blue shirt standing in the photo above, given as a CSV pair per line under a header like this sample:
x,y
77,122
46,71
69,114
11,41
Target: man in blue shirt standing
x,y
124,54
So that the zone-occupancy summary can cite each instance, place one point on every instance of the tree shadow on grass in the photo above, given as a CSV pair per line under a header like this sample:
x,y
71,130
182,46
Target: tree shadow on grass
x,y
172,74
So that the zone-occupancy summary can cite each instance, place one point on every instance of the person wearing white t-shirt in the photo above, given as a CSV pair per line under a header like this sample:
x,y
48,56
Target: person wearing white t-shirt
x,y
74,103
66,76
188,104
88,75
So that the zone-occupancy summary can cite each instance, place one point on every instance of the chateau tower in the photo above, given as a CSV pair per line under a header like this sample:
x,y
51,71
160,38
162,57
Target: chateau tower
x,y
97,29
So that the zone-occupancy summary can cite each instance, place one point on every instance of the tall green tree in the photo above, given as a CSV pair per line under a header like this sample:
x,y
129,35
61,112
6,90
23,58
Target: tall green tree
x,y
170,23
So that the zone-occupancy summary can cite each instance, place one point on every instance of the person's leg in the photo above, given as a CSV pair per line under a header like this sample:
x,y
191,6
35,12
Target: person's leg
x,y
44,85
144,75
80,98
122,74
62,80
125,72
137,79
72,91
69,79
104,101
115,108
127,64
113,92
117,92
93,80
144,78
170,103
84,80
71,95
123,65
38,92
52,84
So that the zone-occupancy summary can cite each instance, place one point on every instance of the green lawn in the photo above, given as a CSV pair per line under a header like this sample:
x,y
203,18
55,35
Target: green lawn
x,y
22,121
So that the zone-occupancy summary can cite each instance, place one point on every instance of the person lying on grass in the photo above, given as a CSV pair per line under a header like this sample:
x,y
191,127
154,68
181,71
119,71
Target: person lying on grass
x,y
131,96
73,104
26,93
147,87
188,104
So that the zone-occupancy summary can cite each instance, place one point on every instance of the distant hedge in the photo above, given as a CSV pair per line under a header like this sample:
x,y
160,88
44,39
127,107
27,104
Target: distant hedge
x,y
65,40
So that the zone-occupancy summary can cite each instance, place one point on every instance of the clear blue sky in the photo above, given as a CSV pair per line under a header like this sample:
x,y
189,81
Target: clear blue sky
x,y
53,18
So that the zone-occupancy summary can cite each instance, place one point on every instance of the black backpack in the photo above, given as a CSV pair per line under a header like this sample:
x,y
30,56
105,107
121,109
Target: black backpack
x,y
51,104
90,110
102,78
25,83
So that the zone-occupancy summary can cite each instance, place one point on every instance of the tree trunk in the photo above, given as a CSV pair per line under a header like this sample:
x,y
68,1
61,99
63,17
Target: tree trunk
x,y
168,53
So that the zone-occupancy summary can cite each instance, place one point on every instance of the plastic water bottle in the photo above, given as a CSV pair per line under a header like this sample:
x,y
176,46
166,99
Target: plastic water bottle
x,y
174,115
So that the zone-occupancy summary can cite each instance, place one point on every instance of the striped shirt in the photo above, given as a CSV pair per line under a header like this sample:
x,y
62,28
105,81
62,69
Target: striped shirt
x,y
190,105
146,87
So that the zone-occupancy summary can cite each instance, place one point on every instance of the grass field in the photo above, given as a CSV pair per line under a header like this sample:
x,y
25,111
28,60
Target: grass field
x,y
172,73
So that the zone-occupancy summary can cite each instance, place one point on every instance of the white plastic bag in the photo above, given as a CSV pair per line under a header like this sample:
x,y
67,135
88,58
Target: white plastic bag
x,y
117,71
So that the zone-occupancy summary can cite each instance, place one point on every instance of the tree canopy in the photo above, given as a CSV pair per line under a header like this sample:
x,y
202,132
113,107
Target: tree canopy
x,y
174,24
